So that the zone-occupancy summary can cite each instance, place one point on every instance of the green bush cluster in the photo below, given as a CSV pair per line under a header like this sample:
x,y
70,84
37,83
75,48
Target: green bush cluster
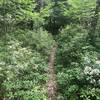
x,y
28,32
78,71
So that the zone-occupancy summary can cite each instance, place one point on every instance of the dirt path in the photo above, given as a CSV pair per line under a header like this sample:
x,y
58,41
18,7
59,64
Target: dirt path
x,y
52,86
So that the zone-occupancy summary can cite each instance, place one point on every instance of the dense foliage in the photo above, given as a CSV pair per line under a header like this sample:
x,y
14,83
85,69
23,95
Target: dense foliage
x,y
28,31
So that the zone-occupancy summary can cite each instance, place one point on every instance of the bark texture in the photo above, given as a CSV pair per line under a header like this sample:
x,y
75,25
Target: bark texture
x,y
94,23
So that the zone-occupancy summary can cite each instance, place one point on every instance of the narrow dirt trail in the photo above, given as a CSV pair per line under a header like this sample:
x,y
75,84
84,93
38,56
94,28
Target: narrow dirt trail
x,y
52,85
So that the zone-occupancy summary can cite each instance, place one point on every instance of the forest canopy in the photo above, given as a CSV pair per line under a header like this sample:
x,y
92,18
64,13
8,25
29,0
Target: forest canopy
x,y
49,49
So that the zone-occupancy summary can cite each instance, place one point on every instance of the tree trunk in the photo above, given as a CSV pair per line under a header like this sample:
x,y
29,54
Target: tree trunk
x,y
40,4
94,23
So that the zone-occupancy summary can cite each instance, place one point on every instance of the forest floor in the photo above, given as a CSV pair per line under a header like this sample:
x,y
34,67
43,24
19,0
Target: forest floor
x,y
52,85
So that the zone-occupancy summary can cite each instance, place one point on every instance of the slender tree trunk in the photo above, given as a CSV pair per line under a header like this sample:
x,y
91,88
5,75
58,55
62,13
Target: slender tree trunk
x,y
94,23
52,86
40,4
